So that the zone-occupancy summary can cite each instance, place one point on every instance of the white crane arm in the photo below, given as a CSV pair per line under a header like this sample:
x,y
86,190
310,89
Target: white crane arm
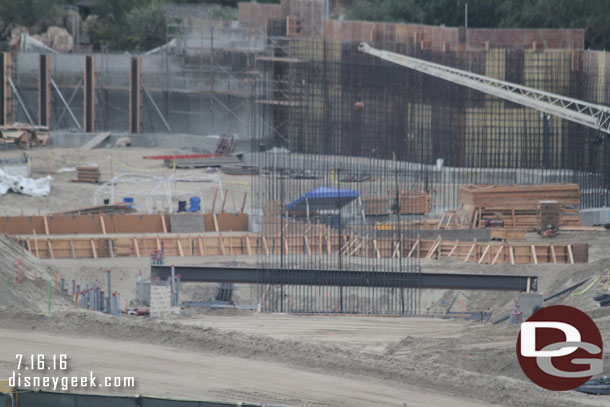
x,y
577,111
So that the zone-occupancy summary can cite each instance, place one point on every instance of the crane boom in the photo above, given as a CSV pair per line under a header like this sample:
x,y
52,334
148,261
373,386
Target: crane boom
x,y
577,111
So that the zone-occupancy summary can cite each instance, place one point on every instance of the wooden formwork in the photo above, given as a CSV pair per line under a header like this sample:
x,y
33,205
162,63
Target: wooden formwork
x,y
118,223
322,242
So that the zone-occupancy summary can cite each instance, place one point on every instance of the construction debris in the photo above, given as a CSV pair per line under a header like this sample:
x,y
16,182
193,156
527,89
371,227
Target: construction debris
x,y
24,135
195,160
24,185
111,209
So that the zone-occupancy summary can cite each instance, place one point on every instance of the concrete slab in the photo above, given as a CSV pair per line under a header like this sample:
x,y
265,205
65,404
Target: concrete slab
x,y
186,223
593,217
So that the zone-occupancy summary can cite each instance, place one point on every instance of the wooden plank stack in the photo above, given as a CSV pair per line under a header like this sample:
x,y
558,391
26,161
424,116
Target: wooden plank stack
x,y
414,202
519,196
518,205
376,205
548,214
410,202
89,174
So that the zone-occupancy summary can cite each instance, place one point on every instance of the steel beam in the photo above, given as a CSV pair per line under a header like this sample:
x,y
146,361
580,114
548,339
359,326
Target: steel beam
x,y
344,278
89,105
135,95
44,90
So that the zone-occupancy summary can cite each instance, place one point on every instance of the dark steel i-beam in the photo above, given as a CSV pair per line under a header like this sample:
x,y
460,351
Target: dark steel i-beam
x,y
245,275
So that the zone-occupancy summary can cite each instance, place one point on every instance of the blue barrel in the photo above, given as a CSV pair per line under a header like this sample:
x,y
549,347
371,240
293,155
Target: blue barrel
x,y
181,206
129,201
195,204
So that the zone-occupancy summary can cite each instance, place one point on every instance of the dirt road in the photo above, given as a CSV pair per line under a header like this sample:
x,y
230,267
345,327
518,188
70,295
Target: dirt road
x,y
163,371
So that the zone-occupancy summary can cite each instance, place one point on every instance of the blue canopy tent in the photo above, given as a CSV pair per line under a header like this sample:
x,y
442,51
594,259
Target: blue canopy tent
x,y
323,198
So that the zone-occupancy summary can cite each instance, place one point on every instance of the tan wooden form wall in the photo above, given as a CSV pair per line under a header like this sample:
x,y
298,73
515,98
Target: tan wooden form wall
x,y
55,247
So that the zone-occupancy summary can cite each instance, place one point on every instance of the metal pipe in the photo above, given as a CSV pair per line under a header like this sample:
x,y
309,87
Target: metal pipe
x,y
173,285
157,109
109,309
178,289
61,116
25,110
61,97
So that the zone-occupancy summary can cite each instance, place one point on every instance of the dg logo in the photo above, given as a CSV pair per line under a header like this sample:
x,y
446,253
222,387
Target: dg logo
x,y
559,348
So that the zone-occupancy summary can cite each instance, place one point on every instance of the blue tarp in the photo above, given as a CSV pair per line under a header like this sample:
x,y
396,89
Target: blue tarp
x,y
323,198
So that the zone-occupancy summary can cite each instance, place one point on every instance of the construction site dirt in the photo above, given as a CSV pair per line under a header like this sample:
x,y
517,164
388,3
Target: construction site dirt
x,y
287,359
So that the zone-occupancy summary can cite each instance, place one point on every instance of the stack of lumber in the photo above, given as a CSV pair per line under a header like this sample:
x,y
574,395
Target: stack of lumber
x,y
414,202
517,205
88,174
24,135
410,202
376,205
519,196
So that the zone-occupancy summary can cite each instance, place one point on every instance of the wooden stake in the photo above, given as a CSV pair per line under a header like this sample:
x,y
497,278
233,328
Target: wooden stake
x,y
224,201
216,228
243,204
222,245
376,247
553,255
103,225
265,246
72,249
413,248
396,249
440,222
472,248
135,246
511,251
93,250
50,248
484,253
214,200
307,248
201,251
570,254
180,247
46,226
437,241
500,249
452,250
162,224
534,257
248,248
36,244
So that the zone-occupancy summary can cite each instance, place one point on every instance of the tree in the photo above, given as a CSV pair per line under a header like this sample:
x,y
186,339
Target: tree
x,y
133,25
28,13
592,15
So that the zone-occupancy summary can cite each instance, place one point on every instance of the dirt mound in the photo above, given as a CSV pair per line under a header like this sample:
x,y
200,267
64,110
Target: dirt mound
x,y
29,292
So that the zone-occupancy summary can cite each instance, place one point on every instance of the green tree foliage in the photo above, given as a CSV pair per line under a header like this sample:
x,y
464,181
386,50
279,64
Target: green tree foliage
x,y
28,13
592,15
133,25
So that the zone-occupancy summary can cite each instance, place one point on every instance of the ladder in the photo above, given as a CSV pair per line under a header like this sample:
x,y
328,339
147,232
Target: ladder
x,y
225,144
